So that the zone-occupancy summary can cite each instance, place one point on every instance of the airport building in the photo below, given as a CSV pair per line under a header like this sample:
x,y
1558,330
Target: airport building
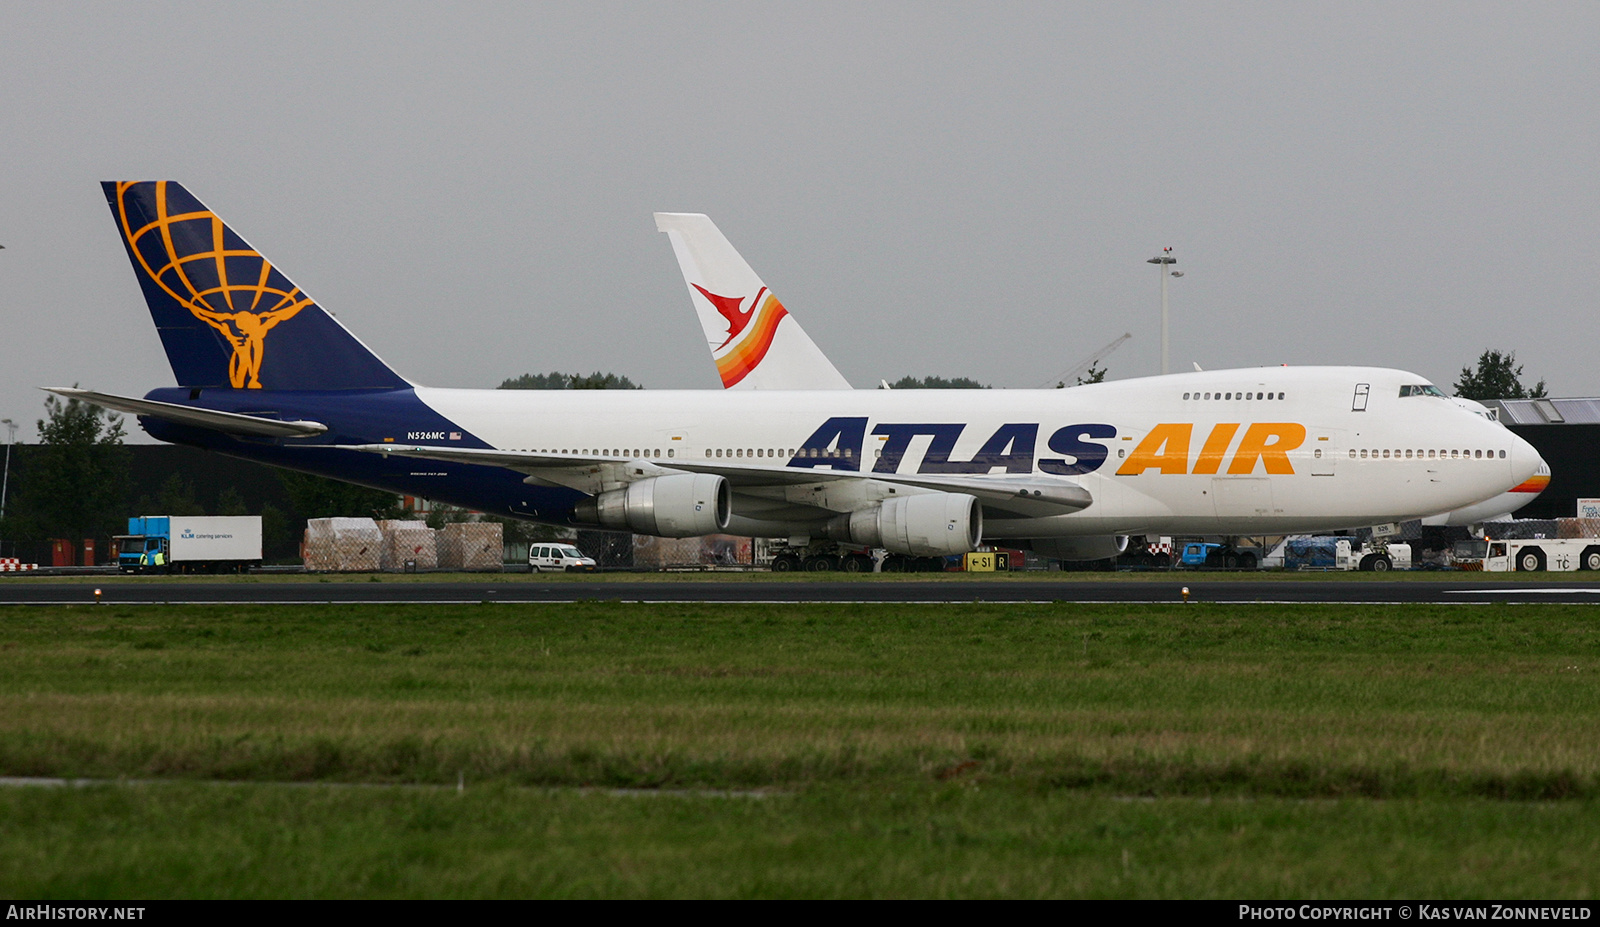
x,y
1566,433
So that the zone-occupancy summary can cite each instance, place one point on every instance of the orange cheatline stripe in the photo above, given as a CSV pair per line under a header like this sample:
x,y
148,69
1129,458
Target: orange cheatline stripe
x,y
1533,484
749,352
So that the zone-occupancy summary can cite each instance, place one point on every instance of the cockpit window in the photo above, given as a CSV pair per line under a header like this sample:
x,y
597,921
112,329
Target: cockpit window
x,y
1421,389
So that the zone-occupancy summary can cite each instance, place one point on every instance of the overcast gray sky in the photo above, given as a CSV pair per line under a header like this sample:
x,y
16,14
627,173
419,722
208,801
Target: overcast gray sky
x,y
955,189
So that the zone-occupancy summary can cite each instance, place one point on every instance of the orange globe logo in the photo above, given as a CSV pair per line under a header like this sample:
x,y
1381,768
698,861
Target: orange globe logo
x,y
213,274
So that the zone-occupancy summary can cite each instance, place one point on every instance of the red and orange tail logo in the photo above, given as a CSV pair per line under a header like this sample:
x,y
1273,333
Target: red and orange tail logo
x,y
758,325
232,289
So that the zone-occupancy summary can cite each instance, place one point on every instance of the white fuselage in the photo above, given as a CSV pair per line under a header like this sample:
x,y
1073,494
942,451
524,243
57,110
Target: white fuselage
x,y
1254,451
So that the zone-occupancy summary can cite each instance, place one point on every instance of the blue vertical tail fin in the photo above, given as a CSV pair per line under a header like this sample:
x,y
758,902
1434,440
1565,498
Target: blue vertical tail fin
x,y
227,317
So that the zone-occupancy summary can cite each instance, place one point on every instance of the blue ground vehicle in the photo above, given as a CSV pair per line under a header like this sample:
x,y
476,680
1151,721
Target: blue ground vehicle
x,y
1203,555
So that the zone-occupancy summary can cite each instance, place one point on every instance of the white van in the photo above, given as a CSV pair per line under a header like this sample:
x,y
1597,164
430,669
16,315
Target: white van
x,y
558,558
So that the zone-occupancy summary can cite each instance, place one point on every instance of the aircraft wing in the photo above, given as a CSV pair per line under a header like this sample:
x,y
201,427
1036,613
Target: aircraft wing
x,y
1007,496
229,422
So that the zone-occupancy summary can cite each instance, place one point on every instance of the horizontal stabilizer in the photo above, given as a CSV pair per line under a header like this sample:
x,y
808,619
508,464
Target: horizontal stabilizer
x,y
228,422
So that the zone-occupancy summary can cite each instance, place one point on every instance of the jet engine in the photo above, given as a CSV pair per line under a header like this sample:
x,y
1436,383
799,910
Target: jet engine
x,y
683,505
934,524
1088,548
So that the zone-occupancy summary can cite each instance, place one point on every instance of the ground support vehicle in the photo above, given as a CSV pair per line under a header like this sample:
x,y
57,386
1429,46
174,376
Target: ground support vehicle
x,y
824,556
1553,554
1204,555
190,544
1378,557
558,558
1334,552
1151,553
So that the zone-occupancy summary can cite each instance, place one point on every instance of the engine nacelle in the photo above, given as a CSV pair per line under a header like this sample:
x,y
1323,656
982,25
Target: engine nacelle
x,y
683,505
934,524
1089,548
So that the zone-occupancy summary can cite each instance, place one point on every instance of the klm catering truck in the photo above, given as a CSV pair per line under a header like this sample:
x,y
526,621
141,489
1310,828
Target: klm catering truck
x,y
190,544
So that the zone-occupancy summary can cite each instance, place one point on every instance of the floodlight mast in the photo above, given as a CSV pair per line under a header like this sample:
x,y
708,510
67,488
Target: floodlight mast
x,y
1161,261
5,481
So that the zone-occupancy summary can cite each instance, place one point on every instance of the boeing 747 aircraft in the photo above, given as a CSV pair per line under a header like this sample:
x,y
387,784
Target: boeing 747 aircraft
x,y
264,373
711,265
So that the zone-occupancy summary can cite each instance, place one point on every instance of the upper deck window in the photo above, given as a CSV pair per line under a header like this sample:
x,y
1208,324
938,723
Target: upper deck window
x,y
1421,389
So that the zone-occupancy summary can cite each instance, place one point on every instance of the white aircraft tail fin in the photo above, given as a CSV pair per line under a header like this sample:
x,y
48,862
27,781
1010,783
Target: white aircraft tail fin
x,y
754,341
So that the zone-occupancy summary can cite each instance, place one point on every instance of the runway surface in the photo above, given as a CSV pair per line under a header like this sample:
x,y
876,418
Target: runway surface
x,y
1442,591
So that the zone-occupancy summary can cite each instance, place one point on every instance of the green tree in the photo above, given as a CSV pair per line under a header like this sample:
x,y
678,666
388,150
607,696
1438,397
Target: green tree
x,y
278,540
936,383
76,484
1092,375
557,380
319,497
230,502
1498,376
175,498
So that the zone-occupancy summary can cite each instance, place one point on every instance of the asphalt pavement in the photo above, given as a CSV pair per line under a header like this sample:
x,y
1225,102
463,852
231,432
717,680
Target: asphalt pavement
x,y
700,589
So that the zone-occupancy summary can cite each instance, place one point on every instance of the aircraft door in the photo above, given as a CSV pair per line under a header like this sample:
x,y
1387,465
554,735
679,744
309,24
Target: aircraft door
x,y
1359,403
1241,496
672,443
1326,446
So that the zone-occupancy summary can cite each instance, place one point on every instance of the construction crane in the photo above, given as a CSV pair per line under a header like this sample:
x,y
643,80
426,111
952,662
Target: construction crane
x,y
1073,372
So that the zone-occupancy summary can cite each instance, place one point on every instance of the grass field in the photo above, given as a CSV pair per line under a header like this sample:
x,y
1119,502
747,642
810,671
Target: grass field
x,y
1151,751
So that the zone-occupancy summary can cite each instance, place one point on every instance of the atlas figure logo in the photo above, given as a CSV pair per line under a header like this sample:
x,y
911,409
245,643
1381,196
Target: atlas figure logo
x,y
1165,448
222,282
